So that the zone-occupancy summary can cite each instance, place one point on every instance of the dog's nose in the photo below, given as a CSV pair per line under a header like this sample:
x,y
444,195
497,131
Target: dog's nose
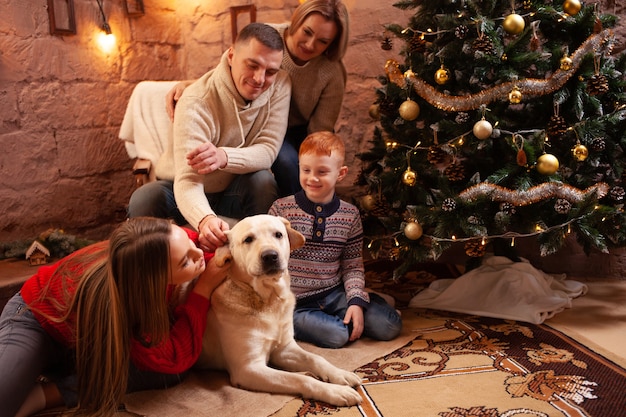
x,y
269,258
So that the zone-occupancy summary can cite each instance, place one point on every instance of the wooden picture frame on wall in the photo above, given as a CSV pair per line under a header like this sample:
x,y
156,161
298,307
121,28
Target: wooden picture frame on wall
x,y
134,8
61,16
235,11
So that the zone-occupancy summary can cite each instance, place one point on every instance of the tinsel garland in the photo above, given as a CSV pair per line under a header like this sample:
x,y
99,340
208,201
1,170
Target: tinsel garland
x,y
533,194
528,86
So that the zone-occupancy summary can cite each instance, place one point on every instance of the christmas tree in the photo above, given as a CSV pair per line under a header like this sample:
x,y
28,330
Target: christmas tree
x,y
500,119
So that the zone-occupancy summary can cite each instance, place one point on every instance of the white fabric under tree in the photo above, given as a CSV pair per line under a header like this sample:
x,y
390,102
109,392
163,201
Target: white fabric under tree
x,y
502,288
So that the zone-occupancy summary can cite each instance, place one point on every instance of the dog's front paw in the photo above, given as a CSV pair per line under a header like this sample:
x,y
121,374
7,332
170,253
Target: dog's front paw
x,y
345,378
345,397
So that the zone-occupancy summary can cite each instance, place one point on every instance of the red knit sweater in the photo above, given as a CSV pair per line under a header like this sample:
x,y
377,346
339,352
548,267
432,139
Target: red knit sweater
x,y
174,355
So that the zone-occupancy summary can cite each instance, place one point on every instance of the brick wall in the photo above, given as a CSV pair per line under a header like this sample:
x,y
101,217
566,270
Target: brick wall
x,y
62,100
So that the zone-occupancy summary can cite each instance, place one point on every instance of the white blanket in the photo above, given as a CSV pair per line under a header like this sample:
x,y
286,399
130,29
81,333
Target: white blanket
x,y
146,129
503,289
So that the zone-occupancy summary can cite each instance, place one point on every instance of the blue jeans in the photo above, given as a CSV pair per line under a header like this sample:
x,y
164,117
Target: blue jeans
x,y
27,351
286,168
320,321
247,195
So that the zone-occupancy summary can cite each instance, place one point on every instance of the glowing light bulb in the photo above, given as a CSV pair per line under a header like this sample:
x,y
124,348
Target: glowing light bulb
x,y
106,42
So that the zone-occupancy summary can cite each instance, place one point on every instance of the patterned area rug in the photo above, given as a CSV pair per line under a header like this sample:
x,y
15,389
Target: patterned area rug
x,y
468,366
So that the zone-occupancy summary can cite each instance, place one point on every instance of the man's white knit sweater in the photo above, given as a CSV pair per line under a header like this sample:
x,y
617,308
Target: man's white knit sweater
x,y
212,110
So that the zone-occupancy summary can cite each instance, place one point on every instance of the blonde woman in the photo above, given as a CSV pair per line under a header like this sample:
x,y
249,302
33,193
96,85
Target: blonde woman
x,y
100,322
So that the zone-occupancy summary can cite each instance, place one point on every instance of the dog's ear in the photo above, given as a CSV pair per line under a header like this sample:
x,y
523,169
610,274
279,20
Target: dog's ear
x,y
296,239
222,254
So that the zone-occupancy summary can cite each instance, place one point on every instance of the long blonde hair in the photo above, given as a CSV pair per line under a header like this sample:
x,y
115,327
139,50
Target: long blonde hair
x,y
332,10
119,296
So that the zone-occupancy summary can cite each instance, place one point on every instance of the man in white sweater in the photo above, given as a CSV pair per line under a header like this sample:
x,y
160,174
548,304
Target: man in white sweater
x,y
228,128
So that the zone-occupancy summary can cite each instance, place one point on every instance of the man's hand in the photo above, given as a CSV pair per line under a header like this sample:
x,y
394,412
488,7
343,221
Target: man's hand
x,y
212,235
354,314
207,158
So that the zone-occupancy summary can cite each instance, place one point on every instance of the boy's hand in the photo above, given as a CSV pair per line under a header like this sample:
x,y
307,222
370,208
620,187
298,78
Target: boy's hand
x,y
354,314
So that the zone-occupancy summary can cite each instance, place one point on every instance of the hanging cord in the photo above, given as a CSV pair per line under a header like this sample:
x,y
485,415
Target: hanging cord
x,y
105,24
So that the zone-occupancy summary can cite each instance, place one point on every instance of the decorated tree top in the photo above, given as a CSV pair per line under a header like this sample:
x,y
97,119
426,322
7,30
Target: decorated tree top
x,y
500,119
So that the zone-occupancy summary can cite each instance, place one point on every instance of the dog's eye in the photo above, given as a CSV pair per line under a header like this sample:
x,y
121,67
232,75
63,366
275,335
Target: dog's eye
x,y
278,235
248,239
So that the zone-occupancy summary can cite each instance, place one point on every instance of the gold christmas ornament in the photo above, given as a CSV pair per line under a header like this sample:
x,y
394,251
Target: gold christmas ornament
x,y
547,164
482,129
409,177
374,111
409,110
566,63
413,230
515,96
513,24
580,152
571,7
409,73
368,202
442,76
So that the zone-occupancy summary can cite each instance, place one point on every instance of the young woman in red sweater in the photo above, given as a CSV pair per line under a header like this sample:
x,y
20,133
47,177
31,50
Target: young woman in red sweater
x,y
105,321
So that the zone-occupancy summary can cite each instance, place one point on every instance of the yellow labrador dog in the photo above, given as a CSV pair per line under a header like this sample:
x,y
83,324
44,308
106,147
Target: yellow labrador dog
x,y
250,323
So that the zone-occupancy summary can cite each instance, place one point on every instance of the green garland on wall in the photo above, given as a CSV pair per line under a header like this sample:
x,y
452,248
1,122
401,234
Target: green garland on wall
x,y
58,242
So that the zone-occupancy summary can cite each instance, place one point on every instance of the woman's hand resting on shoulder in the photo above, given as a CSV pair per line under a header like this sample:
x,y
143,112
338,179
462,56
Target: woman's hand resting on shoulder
x,y
172,97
